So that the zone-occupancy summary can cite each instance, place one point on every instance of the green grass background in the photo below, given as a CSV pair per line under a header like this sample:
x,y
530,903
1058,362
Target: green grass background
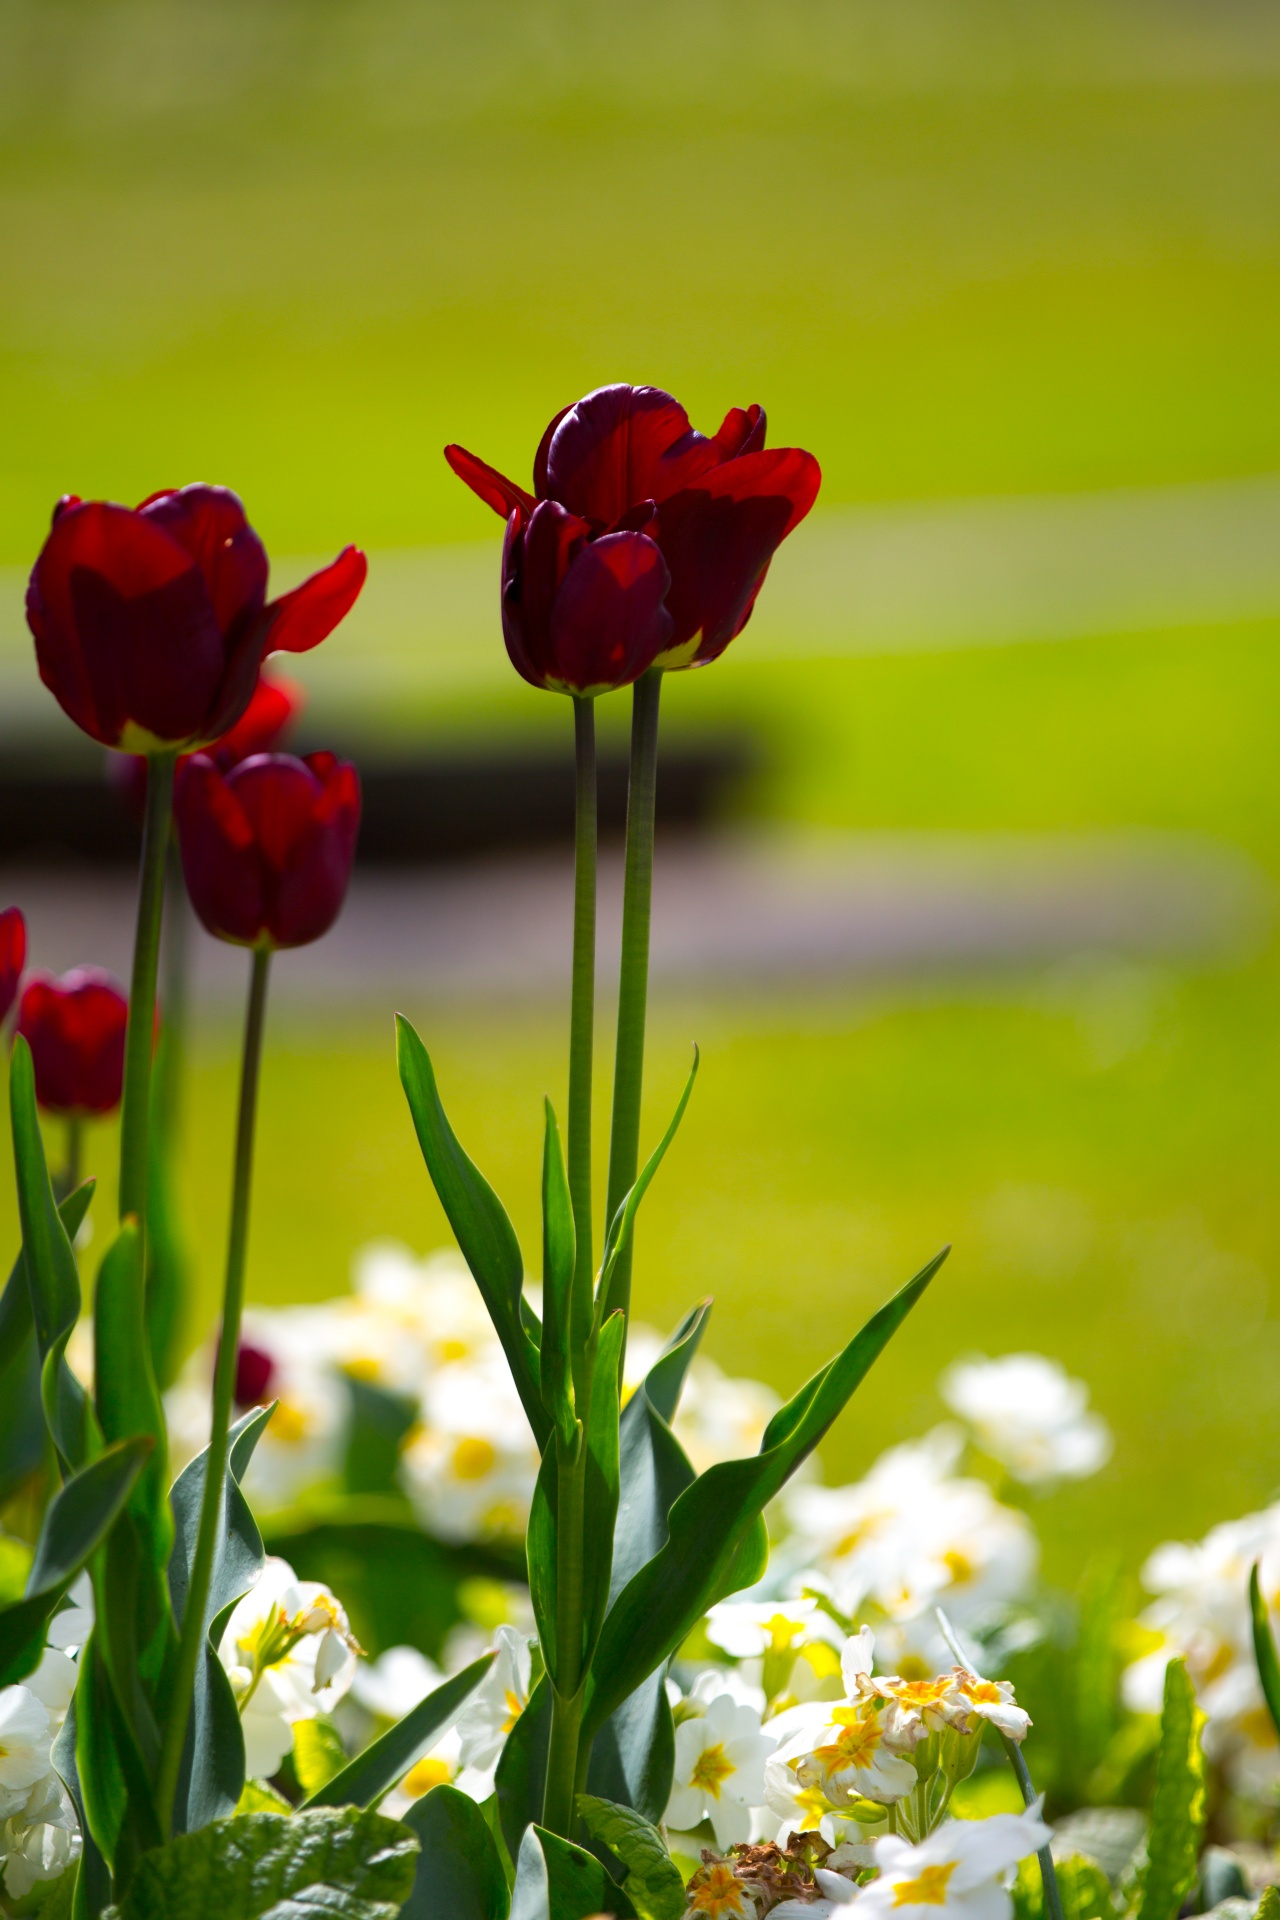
x,y
956,249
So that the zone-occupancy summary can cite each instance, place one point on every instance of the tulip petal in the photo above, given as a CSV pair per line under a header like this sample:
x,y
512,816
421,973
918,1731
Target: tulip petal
x,y
535,558
13,955
225,874
301,620
741,431
210,523
311,890
720,536
503,495
279,795
609,622
621,445
75,1028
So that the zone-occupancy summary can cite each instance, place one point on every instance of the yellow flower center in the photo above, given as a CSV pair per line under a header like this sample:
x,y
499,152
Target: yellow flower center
x,y
515,1707
981,1692
289,1423
711,1767
929,1889
454,1349
783,1633
922,1693
958,1567
427,1774
720,1893
473,1458
362,1366
855,1745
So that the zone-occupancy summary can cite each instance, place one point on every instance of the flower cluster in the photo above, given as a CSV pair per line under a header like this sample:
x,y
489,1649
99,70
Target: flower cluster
x,y
290,1655
39,1833
1029,1416
1201,1614
418,1329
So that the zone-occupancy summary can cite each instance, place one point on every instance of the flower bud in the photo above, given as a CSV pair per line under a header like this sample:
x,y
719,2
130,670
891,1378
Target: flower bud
x,y
75,1028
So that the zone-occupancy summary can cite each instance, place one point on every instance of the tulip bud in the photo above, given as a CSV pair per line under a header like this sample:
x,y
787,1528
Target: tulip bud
x,y
75,1028
579,615
13,954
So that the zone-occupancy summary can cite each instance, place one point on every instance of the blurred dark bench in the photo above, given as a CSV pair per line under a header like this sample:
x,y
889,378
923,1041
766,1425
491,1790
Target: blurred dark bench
x,y
435,808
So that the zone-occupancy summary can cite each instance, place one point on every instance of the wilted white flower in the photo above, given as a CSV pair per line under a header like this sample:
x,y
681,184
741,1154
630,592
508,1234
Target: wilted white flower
x,y
719,1771
290,1655
956,1870
1027,1413
717,1893
497,1703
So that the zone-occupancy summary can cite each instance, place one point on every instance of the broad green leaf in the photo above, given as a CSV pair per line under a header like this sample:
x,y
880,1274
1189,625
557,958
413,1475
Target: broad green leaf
x,y
322,1865
52,1275
541,1544
93,1882
600,1492
652,1880
614,1275
15,1301
76,1522
1084,1888
633,1756
23,1433
653,1469
260,1796
1178,1804
318,1753
664,1382
479,1221
459,1875
558,1253
115,1784
370,1775
212,1776
380,1419
715,1542
1264,1648
557,1881
520,1779
1269,1905
137,1633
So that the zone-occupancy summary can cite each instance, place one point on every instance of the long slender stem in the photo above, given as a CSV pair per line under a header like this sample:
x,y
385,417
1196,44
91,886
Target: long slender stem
x,y
135,1119
224,1380
582,1017
633,976
70,1179
566,1696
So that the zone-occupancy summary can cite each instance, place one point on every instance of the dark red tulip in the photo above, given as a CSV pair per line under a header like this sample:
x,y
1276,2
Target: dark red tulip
x,y
75,1027
151,622
267,848
255,1370
13,955
724,503
261,728
580,615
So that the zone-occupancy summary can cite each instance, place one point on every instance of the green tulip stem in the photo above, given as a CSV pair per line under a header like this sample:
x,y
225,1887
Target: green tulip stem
x,y
633,976
224,1381
567,1692
135,1117
583,1014
70,1178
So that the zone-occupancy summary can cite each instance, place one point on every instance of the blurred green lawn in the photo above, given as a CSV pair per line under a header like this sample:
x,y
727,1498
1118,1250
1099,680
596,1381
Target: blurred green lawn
x,y
956,249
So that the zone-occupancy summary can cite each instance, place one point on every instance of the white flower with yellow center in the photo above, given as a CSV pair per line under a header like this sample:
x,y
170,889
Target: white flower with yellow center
x,y
992,1700
433,1303
956,1870
39,1841
496,1705
470,1467
1026,1412
754,1628
25,1736
719,1770
290,1655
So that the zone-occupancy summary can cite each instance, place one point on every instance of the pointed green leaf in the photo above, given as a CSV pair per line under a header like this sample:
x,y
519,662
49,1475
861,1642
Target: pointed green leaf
x,y
373,1772
1264,1648
1178,1804
622,1226
323,1865
542,1551
479,1221
633,1757
558,1253
23,1432
380,1419
653,1469
557,1881
714,1527
459,1874
520,1779
50,1263
77,1520
93,1882
600,1489
653,1881
114,1781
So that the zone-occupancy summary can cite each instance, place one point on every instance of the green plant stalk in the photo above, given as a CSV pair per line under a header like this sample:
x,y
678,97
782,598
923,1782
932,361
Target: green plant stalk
x,y
224,1380
70,1176
135,1118
633,976
583,1011
567,1695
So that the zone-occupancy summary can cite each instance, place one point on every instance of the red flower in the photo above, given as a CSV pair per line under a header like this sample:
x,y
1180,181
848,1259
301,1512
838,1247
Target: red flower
x,y
255,1370
261,728
13,955
267,848
75,1030
151,623
580,615
724,504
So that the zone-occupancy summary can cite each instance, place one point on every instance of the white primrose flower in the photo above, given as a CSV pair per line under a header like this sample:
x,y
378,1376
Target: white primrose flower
x,y
396,1682
40,1841
496,1704
721,1418
471,1466
72,1624
1027,1413
749,1628
956,1870
25,1738
290,1655
719,1771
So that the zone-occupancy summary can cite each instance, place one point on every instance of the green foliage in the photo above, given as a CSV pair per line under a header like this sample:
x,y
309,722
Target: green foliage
x,y
1083,1887
379,1421
557,1881
1264,1648
652,1880
76,1521
365,1779
622,1227
716,1540
459,1872
1178,1805
559,1247
341,1865
23,1442
521,1776
318,1753
1269,1905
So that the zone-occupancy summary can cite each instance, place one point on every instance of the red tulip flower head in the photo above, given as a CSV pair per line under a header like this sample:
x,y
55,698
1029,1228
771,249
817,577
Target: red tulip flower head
x,y
151,623
581,615
13,956
267,848
261,728
718,506
75,1029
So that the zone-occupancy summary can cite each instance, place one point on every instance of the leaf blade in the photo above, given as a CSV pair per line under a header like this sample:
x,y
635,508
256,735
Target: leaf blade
x,y
373,1772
